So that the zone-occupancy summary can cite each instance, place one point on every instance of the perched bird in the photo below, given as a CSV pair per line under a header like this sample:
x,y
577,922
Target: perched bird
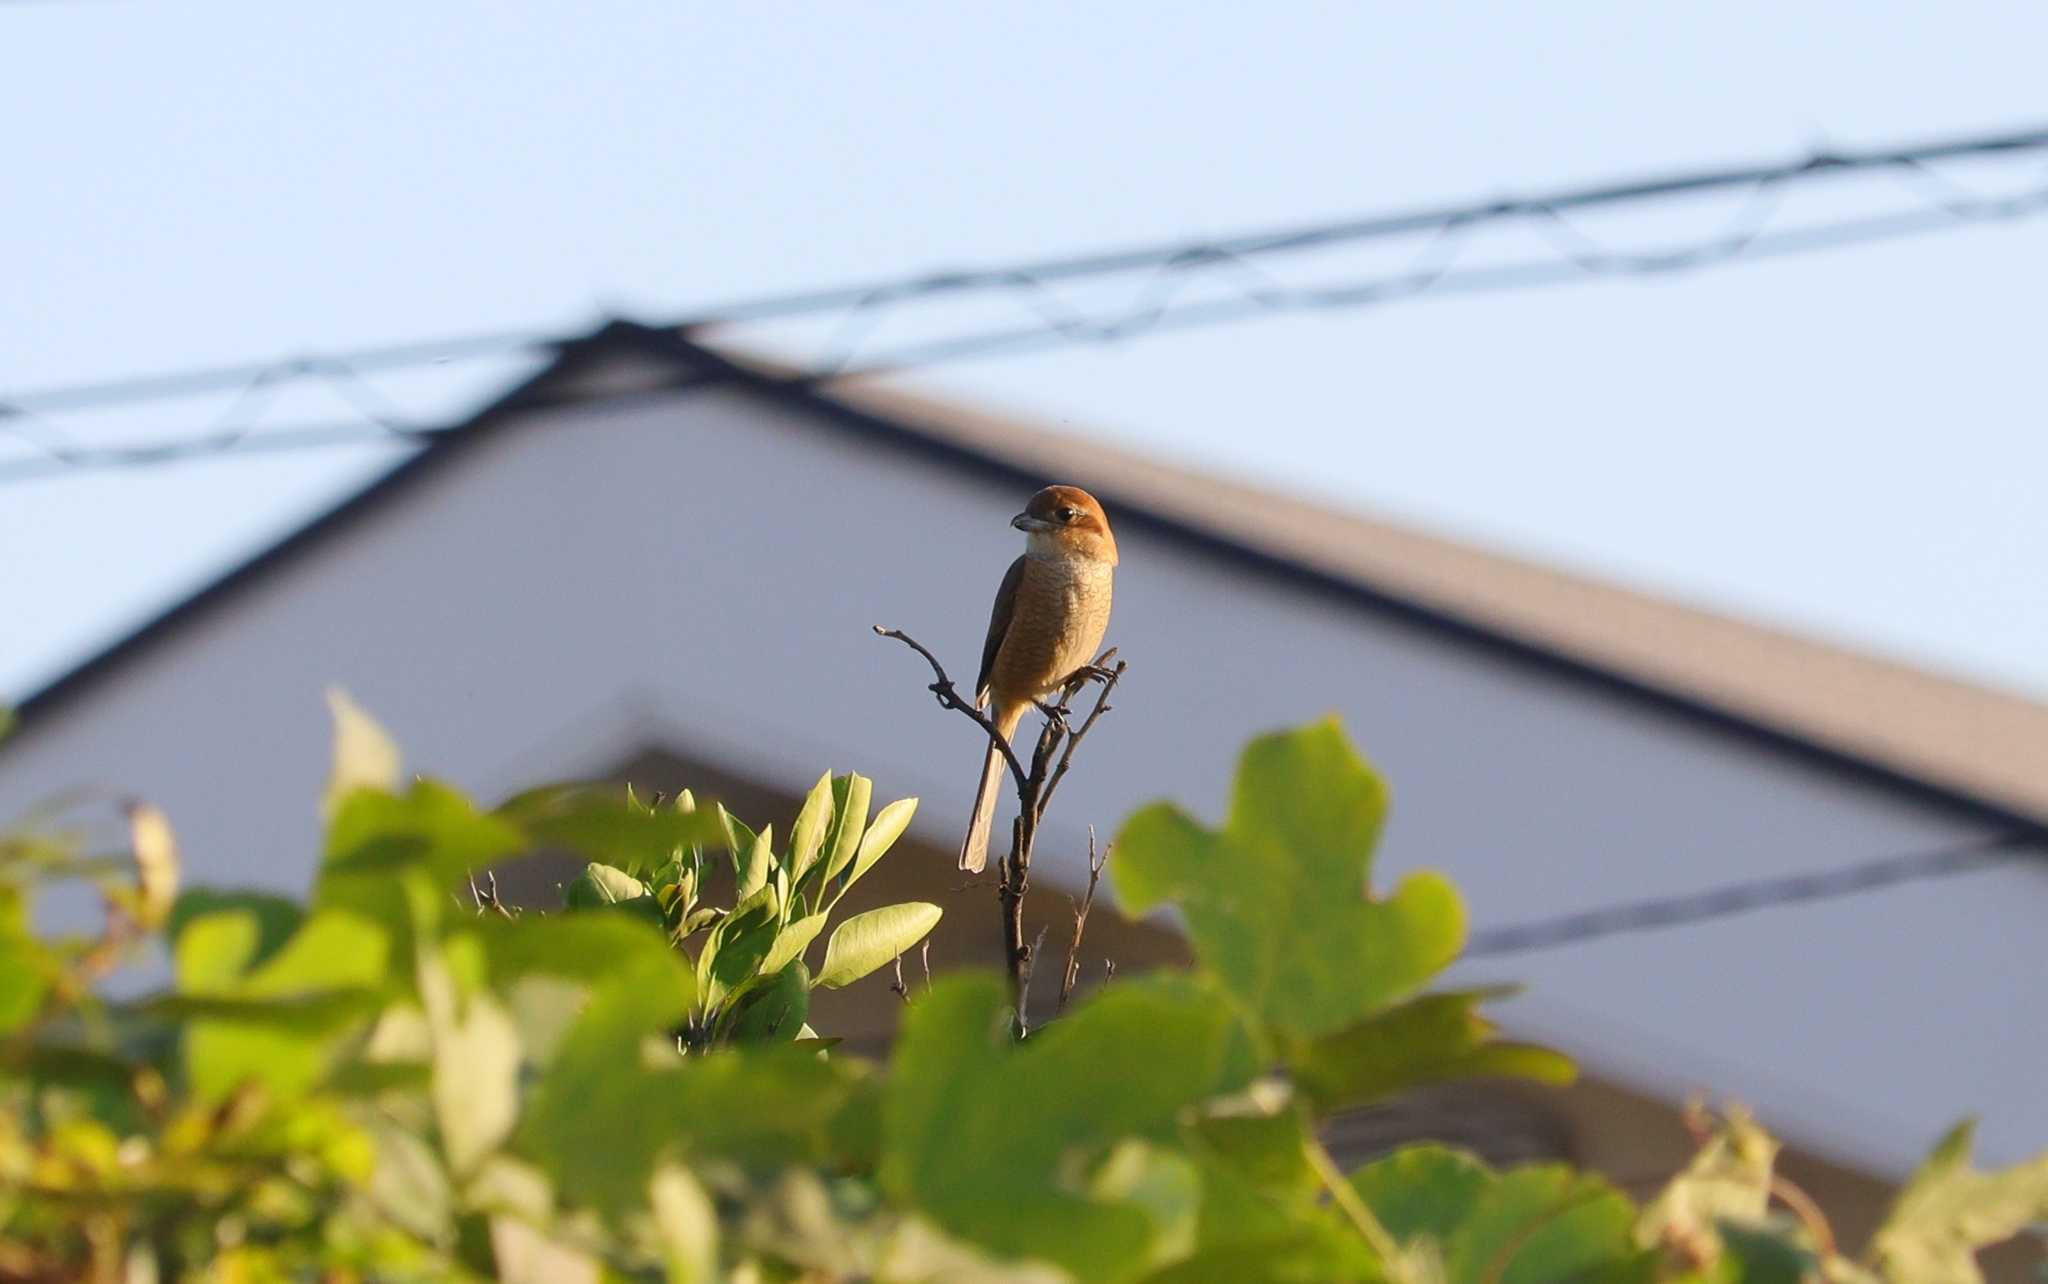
x,y
1049,618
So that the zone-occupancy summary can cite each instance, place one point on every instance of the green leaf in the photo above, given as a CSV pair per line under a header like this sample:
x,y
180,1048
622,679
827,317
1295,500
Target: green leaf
x,y
427,839
791,942
1764,1253
953,1146
603,887
593,1120
1426,1040
738,838
364,755
1536,1225
271,922
24,974
276,1024
1541,1225
807,838
867,941
1276,900
582,947
775,1012
757,865
1423,1190
602,823
890,822
736,948
850,797
1949,1211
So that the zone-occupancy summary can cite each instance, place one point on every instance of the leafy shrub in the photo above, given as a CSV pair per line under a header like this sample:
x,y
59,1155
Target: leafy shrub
x,y
391,1081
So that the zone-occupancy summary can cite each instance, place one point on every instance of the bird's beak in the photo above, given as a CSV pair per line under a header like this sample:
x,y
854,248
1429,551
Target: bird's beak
x,y
1026,522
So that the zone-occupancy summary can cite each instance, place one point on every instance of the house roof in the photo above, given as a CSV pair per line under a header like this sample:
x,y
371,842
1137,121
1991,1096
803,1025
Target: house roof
x,y
1960,746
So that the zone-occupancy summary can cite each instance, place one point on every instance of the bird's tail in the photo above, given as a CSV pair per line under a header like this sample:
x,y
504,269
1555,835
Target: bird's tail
x,y
974,849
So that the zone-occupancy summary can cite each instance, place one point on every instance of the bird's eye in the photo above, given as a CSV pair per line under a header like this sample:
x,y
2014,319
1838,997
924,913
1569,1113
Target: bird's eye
x,y
1067,514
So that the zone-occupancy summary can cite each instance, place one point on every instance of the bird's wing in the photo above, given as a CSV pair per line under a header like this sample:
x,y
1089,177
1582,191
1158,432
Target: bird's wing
x,y
998,626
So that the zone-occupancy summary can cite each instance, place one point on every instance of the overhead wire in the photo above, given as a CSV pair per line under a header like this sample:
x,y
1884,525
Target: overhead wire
x,y
1250,288
1662,913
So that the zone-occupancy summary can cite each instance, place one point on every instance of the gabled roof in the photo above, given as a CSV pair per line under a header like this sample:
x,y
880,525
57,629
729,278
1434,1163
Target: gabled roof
x,y
1959,746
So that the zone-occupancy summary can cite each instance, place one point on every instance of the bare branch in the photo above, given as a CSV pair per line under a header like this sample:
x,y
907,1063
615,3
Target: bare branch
x,y
1072,976
1109,679
902,990
949,698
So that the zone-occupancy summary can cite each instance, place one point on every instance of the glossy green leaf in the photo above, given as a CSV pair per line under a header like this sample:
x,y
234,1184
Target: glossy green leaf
x,y
792,940
869,941
365,757
757,864
850,797
807,836
603,887
736,948
600,885
738,837
774,1011
1276,900
889,824
1950,1210
1431,1039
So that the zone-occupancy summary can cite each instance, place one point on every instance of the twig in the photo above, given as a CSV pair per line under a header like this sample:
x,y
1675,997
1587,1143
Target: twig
x,y
487,901
949,698
924,956
1072,976
902,990
1361,1217
1109,680
1808,1212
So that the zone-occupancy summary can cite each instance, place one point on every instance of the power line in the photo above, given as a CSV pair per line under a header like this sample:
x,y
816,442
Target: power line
x,y
1235,262
1666,912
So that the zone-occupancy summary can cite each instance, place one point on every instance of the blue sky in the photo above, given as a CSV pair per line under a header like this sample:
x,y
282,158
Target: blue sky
x,y
1847,443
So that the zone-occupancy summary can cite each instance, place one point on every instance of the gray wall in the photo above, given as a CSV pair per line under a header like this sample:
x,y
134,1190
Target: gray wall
x,y
702,571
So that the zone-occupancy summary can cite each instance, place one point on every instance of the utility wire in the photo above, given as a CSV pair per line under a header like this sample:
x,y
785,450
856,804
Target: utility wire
x,y
1236,263
1666,912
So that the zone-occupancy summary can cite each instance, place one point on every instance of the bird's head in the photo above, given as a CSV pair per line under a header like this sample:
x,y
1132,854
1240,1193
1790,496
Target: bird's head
x,y
1065,521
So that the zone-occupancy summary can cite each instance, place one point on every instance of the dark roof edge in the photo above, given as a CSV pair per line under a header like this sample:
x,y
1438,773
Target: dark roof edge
x,y
700,364
537,390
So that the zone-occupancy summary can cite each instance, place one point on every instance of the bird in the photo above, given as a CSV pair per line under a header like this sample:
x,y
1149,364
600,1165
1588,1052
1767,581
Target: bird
x,y
1049,618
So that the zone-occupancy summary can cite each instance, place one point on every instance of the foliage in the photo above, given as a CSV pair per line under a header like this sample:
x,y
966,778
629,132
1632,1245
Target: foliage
x,y
402,1078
